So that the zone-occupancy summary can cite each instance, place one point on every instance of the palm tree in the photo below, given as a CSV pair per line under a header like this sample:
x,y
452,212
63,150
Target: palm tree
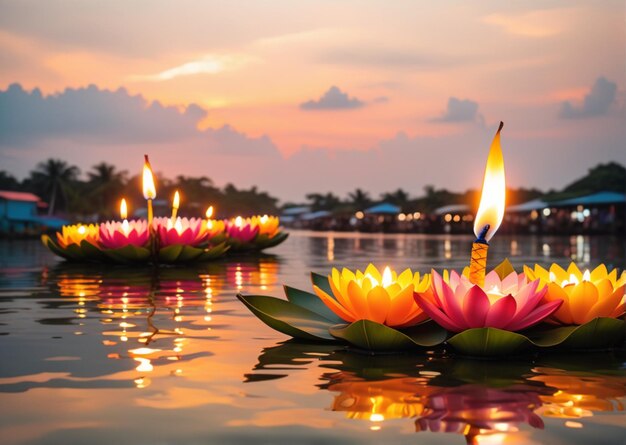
x,y
105,185
360,198
56,176
399,197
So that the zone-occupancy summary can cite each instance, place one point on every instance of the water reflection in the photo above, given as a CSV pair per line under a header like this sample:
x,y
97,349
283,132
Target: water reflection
x,y
484,401
100,355
152,316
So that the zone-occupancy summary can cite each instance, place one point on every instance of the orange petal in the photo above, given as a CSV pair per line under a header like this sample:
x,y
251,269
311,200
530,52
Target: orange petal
x,y
582,299
401,306
358,301
341,294
606,305
563,314
333,305
379,303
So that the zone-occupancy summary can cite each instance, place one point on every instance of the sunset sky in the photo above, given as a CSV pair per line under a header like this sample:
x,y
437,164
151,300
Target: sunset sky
x,y
315,96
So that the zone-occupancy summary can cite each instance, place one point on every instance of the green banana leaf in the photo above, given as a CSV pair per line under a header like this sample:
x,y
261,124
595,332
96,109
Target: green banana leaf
x,y
489,342
288,318
55,248
321,281
311,302
367,334
601,332
128,254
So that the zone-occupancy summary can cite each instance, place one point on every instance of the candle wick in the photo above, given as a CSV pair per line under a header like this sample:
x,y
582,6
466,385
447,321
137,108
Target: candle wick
x,y
483,234
500,127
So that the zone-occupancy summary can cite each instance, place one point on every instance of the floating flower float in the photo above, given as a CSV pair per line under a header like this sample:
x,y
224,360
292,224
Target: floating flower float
x,y
161,239
254,233
475,313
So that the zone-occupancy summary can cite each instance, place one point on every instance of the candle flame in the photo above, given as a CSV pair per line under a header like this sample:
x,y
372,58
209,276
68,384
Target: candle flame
x,y
149,190
178,225
123,209
492,200
239,221
209,212
176,202
264,219
587,275
82,230
387,278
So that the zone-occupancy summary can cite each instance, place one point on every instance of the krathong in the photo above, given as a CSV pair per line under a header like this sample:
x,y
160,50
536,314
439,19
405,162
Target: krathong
x,y
586,295
115,235
385,298
254,233
512,303
187,231
76,234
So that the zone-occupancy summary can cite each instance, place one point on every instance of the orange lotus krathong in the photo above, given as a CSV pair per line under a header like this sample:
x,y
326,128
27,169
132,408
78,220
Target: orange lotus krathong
x,y
586,295
76,233
385,298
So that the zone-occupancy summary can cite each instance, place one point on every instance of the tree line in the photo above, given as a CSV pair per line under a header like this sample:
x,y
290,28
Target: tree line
x,y
60,185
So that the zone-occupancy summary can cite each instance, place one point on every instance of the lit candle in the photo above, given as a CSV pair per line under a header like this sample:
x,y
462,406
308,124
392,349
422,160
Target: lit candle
x,y
239,221
175,204
149,190
209,214
124,216
490,211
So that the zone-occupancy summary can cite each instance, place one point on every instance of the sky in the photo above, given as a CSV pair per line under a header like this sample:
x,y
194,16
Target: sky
x,y
316,96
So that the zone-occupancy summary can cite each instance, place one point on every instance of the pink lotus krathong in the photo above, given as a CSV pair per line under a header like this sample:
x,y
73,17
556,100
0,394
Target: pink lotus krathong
x,y
512,303
186,231
114,234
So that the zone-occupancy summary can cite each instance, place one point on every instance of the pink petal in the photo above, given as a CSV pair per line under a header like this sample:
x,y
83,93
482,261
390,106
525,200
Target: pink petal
x,y
501,312
543,311
475,307
436,314
527,298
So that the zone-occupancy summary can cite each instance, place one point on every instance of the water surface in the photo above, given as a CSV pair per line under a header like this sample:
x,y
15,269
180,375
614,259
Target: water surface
x,y
105,355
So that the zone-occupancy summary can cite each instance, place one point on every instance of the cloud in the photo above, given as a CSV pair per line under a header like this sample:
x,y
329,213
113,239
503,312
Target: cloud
x,y
333,99
460,110
210,64
95,116
533,24
597,103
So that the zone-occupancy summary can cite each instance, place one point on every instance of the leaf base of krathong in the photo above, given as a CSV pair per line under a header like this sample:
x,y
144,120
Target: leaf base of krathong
x,y
179,253
288,318
376,337
87,252
599,333
260,242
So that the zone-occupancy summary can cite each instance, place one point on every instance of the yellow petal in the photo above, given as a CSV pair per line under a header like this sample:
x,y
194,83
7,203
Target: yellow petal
x,y
559,273
599,273
373,272
405,278
574,270
582,299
